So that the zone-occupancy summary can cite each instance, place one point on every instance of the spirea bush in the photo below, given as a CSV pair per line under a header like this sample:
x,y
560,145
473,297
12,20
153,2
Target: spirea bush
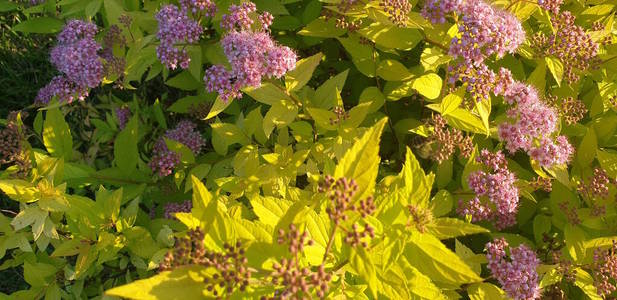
x,y
315,149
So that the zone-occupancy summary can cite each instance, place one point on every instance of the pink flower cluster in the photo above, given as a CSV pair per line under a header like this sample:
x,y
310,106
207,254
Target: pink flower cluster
x,y
437,10
76,54
239,16
570,43
62,88
496,192
518,276
165,160
175,27
252,54
207,7
532,126
605,270
484,30
123,114
550,5
172,208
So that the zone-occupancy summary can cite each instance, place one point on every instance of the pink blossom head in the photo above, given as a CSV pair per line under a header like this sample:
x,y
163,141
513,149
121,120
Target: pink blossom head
x,y
76,54
496,195
62,88
175,27
517,276
239,17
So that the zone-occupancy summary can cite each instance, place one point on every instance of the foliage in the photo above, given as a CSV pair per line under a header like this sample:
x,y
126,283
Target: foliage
x,y
315,149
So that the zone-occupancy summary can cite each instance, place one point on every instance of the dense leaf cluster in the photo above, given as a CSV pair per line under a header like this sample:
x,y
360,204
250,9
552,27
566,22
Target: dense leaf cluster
x,y
316,149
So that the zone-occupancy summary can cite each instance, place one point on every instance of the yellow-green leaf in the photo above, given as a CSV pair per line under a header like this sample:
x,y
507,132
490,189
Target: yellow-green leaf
x,y
556,68
298,77
180,284
428,85
57,135
432,258
361,162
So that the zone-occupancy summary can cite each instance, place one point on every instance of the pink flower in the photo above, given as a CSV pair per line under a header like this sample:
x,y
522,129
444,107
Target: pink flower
x,y
76,55
197,6
123,114
62,88
484,31
238,17
252,55
172,208
496,192
175,27
436,10
532,126
518,276
164,160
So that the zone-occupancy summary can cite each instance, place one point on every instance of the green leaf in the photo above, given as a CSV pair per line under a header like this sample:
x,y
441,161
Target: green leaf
x,y
302,73
38,274
575,242
608,162
362,56
586,283
6,6
269,210
442,203
186,155
363,265
372,94
432,258
391,36
356,115
126,154
538,76
486,291
113,11
184,81
280,114
224,135
267,93
202,198
93,7
180,284
39,25
464,120
273,7
556,68
446,228
57,135
322,117
450,103
326,95
586,151
67,248
361,162
541,225
598,10
432,58
428,85
199,172
195,65
19,190
551,277
393,70
322,28
187,104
